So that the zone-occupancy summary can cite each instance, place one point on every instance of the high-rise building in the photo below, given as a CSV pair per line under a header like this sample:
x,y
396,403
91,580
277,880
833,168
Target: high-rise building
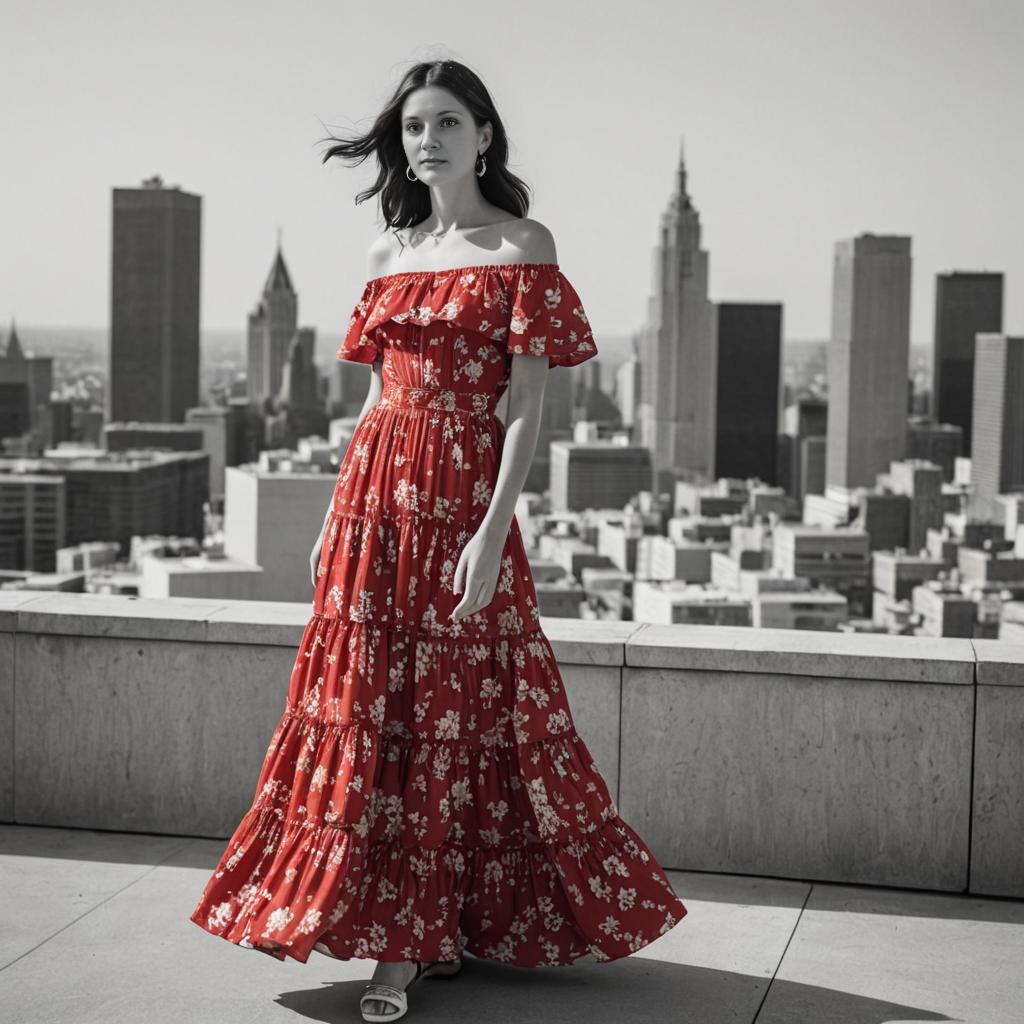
x,y
678,353
868,358
941,443
299,406
749,390
596,405
921,482
627,388
111,495
806,417
154,303
14,406
966,303
213,421
839,558
272,326
997,465
33,519
811,465
597,474
26,380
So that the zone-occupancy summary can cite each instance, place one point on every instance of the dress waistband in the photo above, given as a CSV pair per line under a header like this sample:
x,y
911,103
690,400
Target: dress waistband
x,y
475,403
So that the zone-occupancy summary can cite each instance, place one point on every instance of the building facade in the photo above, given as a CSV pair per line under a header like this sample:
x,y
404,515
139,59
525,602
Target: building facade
x,y
966,304
678,353
868,358
749,378
997,424
154,303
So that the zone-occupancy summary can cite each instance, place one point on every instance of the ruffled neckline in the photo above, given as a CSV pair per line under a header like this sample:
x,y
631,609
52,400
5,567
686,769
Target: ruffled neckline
x,y
470,268
528,308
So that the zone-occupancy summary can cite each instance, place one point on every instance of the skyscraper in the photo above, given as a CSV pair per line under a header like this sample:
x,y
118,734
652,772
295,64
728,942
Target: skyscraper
x,y
627,389
868,358
154,303
749,389
678,351
26,380
966,303
997,465
272,326
805,419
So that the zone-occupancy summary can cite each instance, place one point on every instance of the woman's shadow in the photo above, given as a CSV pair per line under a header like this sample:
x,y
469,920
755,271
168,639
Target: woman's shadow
x,y
633,989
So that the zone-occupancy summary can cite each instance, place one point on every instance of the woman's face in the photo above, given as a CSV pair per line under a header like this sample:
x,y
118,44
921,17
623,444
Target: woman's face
x,y
436,125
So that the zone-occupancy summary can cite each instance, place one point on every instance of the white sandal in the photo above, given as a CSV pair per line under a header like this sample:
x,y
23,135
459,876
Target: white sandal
x,y
397,997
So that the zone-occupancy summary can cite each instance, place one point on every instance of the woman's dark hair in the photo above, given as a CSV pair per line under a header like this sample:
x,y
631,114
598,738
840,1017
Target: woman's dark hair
x,y
403,202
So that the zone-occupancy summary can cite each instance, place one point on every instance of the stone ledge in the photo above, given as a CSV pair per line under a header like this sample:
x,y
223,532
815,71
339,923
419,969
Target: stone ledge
x,y
272,623
576,641
125,617
589,641
999,663
853,656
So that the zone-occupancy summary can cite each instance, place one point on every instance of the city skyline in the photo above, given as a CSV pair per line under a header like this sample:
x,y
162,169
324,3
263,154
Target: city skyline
x,y
785,156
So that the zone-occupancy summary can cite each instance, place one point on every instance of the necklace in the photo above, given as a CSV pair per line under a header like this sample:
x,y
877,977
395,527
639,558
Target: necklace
x,y
436,235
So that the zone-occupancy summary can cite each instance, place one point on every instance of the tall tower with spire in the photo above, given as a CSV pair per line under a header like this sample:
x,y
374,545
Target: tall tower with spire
x,y
26,380
678,350
272,326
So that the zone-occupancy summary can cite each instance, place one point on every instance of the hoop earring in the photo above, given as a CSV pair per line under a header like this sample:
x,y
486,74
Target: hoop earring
x,y
408,168
483,169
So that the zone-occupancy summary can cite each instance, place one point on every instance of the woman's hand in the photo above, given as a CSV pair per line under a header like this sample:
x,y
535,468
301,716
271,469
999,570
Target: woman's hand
x,y
314,558
477,572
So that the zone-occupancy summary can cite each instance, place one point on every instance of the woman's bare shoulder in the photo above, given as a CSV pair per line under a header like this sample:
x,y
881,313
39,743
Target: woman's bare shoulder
x,y
533,241
380,253
519,240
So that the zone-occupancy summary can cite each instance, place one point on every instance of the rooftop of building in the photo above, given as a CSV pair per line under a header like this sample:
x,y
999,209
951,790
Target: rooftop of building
x,y
874,905
96,928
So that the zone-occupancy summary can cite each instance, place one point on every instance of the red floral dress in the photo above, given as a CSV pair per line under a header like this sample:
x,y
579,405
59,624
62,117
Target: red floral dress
x,y
426,790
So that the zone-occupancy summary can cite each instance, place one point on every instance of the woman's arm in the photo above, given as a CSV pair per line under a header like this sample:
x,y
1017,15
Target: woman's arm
x,y
373,392
527,379
480,561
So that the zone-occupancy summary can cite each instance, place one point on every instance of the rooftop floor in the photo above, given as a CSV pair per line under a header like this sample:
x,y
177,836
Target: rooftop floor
x,y
96,929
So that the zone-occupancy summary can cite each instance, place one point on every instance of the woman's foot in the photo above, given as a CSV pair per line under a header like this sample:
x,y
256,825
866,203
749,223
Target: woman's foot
x,y
398,975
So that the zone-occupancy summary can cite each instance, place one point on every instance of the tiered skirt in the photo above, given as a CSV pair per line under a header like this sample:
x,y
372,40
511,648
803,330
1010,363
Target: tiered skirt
x,y
378,830
425,791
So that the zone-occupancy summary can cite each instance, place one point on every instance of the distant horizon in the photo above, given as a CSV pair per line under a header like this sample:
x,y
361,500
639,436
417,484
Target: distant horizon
x,y
338,334
4,332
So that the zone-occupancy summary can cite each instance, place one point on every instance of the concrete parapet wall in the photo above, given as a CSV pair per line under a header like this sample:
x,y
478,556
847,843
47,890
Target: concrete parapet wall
x,y
829,756
812,755
997,832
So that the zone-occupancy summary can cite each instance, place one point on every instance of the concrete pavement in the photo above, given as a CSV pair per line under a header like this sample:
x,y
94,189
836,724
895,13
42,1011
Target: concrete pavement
x,y
96,931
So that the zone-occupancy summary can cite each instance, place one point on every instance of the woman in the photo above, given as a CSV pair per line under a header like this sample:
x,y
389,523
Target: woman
x,y
426,791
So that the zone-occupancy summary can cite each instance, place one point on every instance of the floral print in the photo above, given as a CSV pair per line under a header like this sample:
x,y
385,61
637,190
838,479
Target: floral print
x,y
425,791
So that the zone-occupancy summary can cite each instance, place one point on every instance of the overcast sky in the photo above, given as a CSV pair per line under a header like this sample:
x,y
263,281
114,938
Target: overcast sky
x,y
802,122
